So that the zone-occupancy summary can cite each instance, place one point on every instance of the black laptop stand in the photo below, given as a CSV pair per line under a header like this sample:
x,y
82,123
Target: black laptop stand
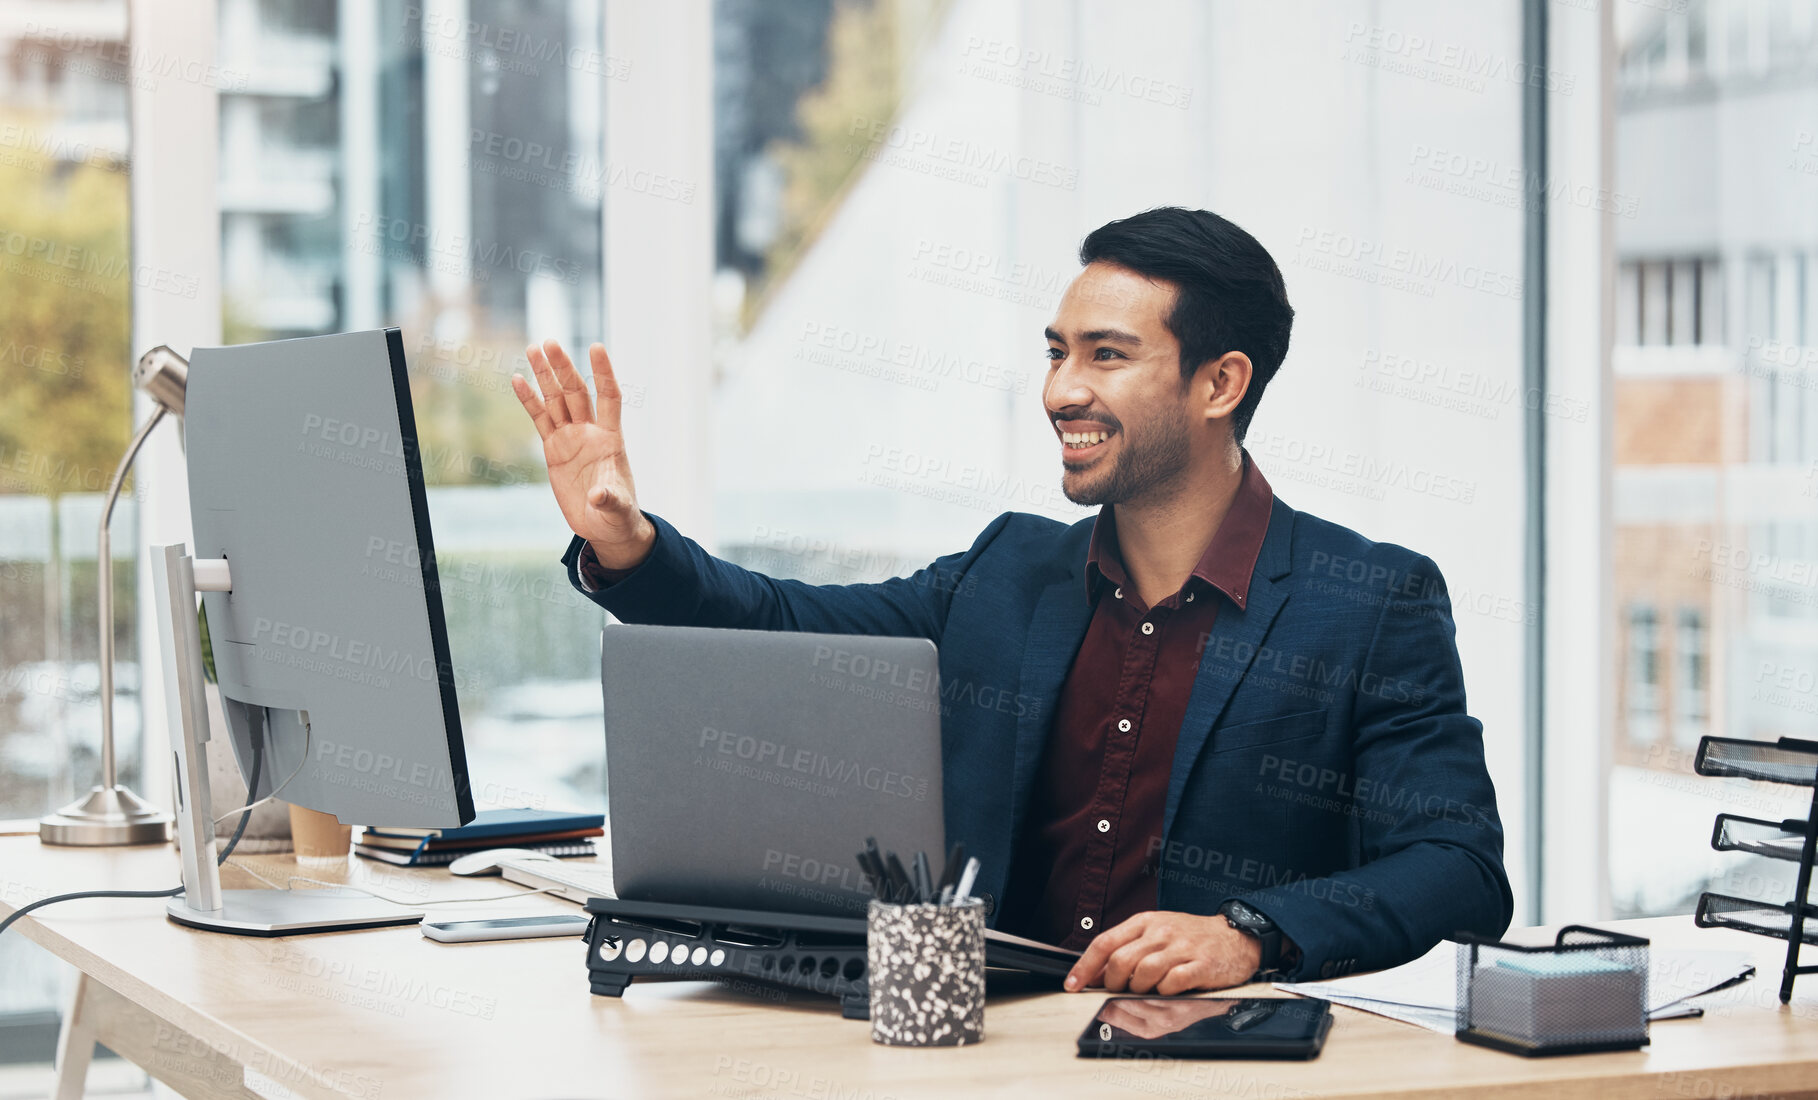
x,y
815,954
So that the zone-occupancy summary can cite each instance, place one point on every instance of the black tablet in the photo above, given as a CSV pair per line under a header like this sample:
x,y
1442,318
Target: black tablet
x,y
1207,1027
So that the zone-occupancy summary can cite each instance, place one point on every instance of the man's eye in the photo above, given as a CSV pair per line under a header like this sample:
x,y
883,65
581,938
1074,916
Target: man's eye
x,y
1107,353
1056,354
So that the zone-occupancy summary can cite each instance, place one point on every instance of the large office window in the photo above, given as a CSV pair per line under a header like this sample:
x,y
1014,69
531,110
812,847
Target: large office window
x,y
1713,431
1691,678
1641,684
903,190
440,167
65,279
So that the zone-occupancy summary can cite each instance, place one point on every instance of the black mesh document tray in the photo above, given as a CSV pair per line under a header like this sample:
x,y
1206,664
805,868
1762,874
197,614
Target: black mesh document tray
x,y
1789,760
1587,991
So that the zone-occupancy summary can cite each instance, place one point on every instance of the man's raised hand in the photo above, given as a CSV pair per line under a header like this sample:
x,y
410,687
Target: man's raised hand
x,y
585,451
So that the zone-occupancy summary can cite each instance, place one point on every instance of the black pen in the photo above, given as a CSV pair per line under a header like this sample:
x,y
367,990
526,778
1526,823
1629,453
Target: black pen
x,y
880,877
924,887
951,872
900,886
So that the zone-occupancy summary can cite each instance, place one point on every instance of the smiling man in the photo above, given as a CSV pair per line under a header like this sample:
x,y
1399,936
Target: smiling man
x,y
1240,747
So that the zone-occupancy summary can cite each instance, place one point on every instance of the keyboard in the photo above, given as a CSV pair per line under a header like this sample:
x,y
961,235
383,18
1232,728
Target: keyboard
x,y
568,879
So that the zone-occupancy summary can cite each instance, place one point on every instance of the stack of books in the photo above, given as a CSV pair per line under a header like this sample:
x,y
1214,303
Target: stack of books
x,y
552,832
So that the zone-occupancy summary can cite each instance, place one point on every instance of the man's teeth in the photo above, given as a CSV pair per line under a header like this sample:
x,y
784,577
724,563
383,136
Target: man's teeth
x,y
1084,439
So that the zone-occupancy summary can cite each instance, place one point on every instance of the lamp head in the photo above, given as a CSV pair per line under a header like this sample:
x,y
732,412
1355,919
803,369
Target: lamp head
x,y
163,375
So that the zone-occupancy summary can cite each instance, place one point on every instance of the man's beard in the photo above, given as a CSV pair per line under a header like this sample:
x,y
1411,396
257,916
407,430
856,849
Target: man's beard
x,y
1146,461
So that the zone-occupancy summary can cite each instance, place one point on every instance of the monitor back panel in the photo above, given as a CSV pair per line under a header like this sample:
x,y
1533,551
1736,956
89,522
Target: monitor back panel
x,y
304,474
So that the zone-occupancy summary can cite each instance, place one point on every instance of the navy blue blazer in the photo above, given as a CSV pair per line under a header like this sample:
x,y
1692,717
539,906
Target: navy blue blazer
x,y
1326,770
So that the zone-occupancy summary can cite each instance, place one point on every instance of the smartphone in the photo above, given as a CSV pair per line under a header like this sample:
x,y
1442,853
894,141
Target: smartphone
x,y
1208,1027
505,928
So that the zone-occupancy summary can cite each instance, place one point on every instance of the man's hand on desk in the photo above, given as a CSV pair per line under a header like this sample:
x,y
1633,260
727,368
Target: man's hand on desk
x,y
588,467
1167,953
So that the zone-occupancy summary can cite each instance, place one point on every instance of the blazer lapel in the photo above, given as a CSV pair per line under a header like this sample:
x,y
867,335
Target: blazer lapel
x,y
1055,633
1236,635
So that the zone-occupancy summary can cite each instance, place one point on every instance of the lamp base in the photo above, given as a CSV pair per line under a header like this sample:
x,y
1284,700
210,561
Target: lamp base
x,y
106,817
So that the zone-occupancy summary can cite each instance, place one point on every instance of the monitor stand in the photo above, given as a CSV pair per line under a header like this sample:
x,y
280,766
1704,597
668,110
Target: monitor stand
x,y
176,578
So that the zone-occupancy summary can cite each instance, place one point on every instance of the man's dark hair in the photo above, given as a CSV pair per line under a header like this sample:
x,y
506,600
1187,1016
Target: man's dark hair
x,y
1231,296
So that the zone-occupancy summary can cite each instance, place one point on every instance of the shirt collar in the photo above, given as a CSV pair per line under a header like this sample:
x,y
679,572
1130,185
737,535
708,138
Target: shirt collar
x,y
1229,560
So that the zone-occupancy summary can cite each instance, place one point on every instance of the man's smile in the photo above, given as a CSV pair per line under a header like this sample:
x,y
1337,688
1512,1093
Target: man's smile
x,y
1082,438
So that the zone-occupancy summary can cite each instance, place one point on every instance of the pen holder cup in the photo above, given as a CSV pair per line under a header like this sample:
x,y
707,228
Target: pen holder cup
x,y
926,970
1587,992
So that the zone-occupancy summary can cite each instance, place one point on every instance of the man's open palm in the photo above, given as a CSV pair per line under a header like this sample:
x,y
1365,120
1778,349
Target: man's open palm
x,y
588,467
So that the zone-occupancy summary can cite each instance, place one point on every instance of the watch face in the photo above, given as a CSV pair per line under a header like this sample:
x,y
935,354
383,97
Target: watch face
x,y
1246,917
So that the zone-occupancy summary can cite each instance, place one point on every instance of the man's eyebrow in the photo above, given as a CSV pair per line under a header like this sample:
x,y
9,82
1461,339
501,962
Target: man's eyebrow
x,y
1101,335
1112,336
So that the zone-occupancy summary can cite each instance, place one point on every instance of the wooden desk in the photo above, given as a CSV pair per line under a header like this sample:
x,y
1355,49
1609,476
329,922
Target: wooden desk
x,y
388,1015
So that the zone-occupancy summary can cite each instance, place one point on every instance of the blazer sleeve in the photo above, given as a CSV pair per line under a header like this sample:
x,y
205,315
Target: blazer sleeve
x,y
1431,840
680,584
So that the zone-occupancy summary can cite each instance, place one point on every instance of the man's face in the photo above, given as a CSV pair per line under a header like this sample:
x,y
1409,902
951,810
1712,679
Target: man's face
x,y
1114,391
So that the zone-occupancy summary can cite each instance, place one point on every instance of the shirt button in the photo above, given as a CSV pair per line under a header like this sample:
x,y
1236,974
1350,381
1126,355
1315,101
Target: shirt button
x,y
1086,923
1118,593
1123,725
1104,826
1148,628
1189,597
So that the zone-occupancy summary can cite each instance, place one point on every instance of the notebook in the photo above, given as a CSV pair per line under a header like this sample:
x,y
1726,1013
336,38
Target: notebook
x,y
439,857
490,824
437,843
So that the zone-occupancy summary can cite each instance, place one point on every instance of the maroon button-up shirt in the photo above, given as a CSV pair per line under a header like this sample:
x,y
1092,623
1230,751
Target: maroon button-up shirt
x,y
1086,859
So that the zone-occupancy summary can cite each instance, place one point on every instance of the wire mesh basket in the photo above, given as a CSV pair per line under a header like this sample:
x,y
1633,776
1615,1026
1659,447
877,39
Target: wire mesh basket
x,y
1784,839
1787,760
1587,991
1763,918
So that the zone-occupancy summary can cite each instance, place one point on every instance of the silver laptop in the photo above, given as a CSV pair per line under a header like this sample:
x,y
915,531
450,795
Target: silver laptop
x,y
745,768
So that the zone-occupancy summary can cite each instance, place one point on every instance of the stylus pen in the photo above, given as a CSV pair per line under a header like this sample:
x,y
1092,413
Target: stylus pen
x,y
967,878
924,888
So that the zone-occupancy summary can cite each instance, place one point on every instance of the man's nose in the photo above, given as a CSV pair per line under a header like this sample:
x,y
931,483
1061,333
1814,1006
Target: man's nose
x,y
1066,389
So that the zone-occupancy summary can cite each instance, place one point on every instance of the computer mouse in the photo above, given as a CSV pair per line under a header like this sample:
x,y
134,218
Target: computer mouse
x,y
487,862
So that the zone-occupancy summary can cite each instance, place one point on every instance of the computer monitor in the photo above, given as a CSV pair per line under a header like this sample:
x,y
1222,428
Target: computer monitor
x,y
317,570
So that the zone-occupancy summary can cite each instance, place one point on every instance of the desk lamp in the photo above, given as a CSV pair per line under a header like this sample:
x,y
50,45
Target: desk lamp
x,y
110,814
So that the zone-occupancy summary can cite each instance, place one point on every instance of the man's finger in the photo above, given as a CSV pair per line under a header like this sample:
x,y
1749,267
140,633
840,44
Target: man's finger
x,y
527,396
1124,961
605,386
574,391
1191,975
1091,964
553,402
1146,976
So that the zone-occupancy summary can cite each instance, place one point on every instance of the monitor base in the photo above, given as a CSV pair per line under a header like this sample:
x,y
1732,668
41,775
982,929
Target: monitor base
x,y
290,912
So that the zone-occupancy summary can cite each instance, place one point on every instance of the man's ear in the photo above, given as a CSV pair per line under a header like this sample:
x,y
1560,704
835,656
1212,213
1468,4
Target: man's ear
x,y
1220,384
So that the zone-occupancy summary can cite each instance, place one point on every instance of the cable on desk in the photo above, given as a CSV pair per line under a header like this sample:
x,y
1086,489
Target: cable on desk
x,y
245,815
